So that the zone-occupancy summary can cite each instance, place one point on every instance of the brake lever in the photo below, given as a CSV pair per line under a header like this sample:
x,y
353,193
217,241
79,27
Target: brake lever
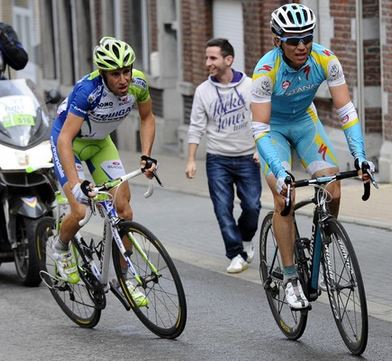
x,y
372,179
154,173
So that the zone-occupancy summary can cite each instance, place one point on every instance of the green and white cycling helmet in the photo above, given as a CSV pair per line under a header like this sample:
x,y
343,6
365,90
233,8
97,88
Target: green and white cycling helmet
x,y
292,18
112,54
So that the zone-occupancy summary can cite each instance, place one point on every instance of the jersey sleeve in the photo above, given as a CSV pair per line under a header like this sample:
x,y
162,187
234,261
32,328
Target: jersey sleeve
x,y
139,86
263,79
331,66
78,101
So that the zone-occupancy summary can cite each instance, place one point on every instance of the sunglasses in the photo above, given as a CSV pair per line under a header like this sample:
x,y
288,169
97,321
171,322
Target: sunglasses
x,y
295,40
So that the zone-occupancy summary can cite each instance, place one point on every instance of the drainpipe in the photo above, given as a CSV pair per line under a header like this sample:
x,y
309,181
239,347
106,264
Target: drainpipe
x,y
360,67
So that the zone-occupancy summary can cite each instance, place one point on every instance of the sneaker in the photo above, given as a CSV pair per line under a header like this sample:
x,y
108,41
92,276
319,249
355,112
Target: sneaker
x,y
249,248
295,295
66,266
237,264
140,299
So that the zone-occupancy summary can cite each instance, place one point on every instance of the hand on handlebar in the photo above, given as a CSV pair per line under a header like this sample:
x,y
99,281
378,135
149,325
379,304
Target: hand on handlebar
x,y
82,192
149,167
367,168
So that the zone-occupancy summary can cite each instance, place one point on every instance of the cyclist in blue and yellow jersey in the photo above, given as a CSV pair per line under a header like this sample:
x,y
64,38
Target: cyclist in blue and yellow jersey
x,y
97,105
285,82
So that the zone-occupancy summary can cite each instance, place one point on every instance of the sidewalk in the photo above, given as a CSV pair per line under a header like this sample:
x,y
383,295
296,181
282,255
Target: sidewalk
x,y
376,212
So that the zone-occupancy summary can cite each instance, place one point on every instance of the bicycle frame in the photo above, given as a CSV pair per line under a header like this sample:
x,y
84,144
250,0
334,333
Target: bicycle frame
x,y
104,203
320,214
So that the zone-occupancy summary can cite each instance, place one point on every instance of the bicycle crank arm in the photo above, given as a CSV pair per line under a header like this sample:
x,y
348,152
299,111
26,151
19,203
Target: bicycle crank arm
x,y
116,289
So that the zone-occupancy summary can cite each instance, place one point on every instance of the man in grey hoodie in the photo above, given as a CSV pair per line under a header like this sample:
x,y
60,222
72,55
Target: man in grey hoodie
x,y
221,110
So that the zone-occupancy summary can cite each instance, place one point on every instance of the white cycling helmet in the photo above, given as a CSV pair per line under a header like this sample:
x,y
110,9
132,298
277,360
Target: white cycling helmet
x,y
292,18
112,54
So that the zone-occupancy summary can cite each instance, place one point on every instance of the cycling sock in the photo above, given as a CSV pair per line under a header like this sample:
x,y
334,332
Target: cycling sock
x,y
289,272
60,245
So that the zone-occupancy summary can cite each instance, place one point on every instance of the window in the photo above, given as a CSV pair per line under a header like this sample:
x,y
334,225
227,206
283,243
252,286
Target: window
x,y
228,23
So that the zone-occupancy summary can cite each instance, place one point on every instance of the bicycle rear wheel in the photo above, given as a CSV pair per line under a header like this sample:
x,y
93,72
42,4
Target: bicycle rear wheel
x,y
77,301
291,323
345,287
166,312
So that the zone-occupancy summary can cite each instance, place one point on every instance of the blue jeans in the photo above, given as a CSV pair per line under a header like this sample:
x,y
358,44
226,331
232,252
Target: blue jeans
x,y
223,174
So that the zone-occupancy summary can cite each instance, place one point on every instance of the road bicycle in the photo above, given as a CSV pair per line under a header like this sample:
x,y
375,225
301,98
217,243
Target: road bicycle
x,y
147,263
329,246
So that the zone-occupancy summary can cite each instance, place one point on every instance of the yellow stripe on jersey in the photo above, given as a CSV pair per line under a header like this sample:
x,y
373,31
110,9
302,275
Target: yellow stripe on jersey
x,y
312,114
350,123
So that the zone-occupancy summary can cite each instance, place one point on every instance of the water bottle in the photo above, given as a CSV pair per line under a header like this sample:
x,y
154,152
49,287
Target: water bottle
x,y
62,206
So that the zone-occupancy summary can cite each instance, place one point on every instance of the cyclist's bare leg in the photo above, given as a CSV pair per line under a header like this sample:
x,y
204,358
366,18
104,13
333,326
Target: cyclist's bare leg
x,y
333,189
70,224
283,226
122,197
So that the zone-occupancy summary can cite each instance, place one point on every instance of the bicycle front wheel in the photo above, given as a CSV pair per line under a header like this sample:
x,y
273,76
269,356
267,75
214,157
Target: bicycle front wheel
x,y
157,278
76,300
345,287
291,323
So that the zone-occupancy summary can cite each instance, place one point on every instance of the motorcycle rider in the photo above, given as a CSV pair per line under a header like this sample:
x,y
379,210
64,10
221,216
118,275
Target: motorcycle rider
x,y
11,49
12,54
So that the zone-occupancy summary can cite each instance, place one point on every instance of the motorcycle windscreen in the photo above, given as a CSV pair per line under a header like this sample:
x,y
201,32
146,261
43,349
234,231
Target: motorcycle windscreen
x,y
23,123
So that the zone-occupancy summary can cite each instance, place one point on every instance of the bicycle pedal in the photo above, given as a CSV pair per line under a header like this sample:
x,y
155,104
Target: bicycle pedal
x,y
116,289
308,308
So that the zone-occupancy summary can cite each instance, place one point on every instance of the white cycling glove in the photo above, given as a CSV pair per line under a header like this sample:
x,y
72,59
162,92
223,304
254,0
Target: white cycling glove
x,y
79,195
280,184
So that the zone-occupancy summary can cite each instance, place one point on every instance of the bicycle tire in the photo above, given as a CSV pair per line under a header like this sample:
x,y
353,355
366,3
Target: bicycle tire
x,y
76,301
26,262
291,323
166,312
345,288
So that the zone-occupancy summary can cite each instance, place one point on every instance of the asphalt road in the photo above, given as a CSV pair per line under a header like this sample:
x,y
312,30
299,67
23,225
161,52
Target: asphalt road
x,y
228,316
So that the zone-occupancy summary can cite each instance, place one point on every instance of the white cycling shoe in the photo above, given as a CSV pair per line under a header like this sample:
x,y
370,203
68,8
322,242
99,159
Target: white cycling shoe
x,y
295,296
139,298
66,266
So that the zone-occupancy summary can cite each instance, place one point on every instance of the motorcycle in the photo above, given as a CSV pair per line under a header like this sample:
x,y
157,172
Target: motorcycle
x,y
26,175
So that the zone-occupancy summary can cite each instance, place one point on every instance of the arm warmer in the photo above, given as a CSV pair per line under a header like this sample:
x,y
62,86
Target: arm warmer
x,y
266,149
352,130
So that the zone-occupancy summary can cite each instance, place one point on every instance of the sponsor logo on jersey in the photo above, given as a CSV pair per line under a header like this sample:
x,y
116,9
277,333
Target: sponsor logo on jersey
x,y
323,150
105,104
265,67
327,52
140,82
111,117
307,71
95,94
301,89
285,84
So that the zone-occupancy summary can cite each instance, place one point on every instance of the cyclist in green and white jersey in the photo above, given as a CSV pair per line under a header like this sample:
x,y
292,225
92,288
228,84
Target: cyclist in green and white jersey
x,y
97,105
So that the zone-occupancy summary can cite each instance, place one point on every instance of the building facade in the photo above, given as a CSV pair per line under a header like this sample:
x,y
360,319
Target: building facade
x,y
169,37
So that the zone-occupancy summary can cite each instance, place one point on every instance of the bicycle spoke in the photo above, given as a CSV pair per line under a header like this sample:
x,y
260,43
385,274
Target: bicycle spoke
x,y
165,311
345,289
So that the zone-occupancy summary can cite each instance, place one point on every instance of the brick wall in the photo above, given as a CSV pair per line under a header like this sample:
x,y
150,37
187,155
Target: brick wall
x,y
257,32
196,29
386,6
372,67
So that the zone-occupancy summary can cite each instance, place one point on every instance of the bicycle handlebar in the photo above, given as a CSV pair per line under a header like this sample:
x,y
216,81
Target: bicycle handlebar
x,y
327,179
116,182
